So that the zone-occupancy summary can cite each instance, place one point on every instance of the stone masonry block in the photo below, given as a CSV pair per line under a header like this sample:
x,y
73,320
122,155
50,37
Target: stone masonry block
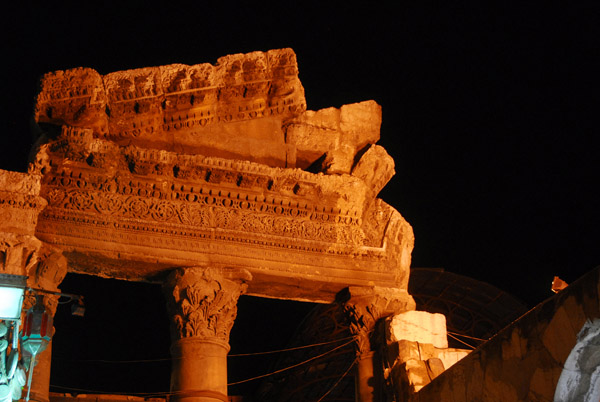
x,y
418,326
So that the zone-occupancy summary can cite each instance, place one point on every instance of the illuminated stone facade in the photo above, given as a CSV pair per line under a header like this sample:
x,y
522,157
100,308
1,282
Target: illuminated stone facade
x,y
215,181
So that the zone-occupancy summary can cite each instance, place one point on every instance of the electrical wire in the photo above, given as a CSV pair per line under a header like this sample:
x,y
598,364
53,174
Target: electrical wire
x,y
291,349
467,336
339,379
147,394
91,391
292,366
231,355
463,342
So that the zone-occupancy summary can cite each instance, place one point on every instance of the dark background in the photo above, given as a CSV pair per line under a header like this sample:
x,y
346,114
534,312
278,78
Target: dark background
x,y
489,112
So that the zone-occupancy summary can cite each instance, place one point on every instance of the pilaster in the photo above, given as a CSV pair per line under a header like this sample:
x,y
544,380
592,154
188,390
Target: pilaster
x,y
202,303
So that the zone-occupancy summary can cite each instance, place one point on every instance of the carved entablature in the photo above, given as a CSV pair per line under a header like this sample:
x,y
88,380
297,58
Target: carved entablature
x,y
178,165
202,301
365,306
20,202
127,202
179,107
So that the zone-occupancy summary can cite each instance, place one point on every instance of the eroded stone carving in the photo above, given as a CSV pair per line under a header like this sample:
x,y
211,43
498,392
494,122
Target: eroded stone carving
x,y
20,202
203,301
364,307
180,165
232,109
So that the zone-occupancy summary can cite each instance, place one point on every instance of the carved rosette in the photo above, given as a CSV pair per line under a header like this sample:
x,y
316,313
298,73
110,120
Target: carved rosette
x,y
203,301
364,307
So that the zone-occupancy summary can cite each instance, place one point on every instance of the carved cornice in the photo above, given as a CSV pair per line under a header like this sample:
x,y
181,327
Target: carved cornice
x,y
132,203
20,202
160,106
203,301
364,307
194,193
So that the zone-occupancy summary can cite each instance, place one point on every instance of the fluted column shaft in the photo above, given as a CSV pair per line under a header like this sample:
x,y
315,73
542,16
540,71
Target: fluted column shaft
x,y
202,303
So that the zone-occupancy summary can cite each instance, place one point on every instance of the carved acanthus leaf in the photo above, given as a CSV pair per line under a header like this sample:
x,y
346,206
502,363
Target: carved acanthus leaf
x,y
364,307
203,302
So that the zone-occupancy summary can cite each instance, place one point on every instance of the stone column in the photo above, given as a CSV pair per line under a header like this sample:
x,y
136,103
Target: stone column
x,y
21,253
364,307
203,305
45,274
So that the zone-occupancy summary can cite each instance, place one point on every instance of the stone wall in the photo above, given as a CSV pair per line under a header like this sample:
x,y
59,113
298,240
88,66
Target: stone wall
x,y
524,361
416,351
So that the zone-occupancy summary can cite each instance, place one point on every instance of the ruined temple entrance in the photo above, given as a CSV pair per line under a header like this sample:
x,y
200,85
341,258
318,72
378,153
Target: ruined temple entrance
x,y
215,182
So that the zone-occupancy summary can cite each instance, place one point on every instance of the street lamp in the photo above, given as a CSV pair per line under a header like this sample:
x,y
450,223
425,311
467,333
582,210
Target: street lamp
x,y
36,334
12,289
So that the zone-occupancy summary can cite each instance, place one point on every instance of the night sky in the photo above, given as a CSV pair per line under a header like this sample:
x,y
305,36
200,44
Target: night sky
x,y
490,114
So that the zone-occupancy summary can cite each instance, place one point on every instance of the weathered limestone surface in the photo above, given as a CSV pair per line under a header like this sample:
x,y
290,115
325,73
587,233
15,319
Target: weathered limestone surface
x,y
336,135
21,253
418,326
524,361
365,308
417,351
234,109
203,304
150,169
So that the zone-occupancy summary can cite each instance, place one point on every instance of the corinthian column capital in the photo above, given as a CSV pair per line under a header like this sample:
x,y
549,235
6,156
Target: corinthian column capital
x,y
203,301
365,306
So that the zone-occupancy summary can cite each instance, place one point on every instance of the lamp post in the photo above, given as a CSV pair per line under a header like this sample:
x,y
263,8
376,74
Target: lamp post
x,y
12,377
35,337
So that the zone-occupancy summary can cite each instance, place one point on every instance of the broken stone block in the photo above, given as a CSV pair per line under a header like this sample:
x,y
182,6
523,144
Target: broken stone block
x,y
435,367
406,350
314,134
360,123
418,326
375,168
339,134
451,356
416,374
74,97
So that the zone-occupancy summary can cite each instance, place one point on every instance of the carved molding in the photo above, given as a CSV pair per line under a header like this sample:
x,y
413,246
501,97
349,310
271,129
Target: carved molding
x,y
154,102
44,265
206,193
20,202
203,301
18,253
364,307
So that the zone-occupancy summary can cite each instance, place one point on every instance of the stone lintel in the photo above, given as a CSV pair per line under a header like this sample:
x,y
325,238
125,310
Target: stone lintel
x,y
134,213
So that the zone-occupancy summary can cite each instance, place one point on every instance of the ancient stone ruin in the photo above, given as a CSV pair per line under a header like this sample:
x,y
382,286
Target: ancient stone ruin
x,y
216,181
